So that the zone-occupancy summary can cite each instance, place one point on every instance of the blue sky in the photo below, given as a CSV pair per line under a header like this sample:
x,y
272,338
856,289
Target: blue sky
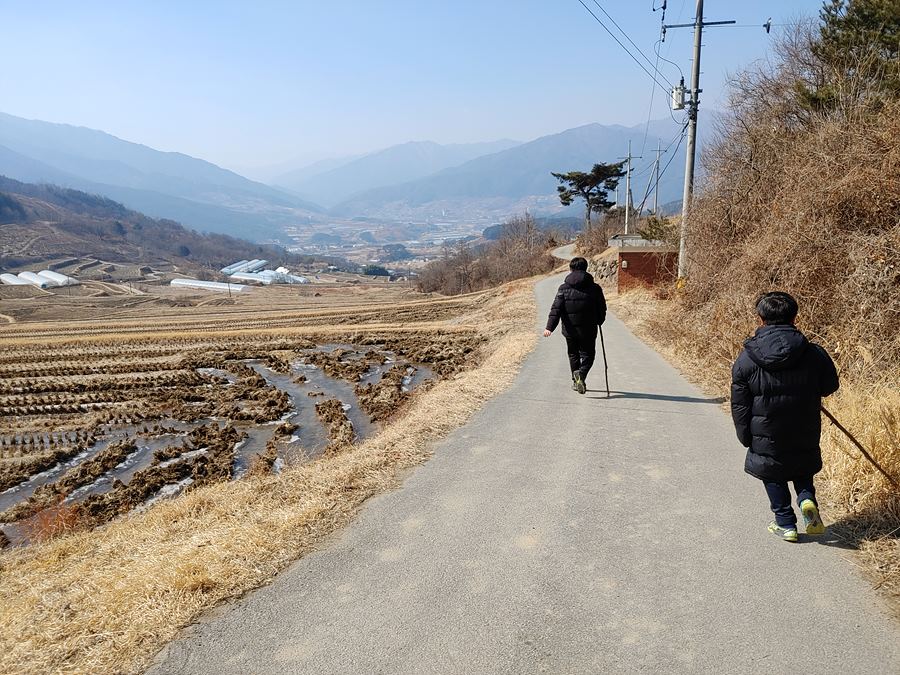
x,y
250,84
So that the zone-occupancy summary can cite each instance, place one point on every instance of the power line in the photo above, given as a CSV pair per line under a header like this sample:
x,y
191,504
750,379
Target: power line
x,y
662,23
656,49
680,139
640,51
649,109
675,138
613,36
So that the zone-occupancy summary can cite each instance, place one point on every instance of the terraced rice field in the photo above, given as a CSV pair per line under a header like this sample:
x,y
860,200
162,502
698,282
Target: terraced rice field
x,y
107,407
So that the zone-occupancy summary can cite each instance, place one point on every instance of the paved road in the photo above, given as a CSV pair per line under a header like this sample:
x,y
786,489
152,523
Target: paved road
x,y
565,534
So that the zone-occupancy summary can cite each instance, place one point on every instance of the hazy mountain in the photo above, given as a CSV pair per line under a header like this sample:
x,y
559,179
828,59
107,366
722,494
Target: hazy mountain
x,y
163,184
504,179
45,222
397,164
297,172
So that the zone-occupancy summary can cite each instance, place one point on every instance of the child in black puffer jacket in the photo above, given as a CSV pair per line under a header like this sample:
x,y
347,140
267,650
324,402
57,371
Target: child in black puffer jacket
x,y
777,385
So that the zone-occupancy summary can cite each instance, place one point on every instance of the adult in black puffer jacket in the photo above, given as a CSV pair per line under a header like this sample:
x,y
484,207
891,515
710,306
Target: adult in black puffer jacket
x,y
581,307
777,385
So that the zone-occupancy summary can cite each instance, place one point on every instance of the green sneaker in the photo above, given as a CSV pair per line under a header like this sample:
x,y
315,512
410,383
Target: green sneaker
x,y
786,533
579,384
574,383
814,524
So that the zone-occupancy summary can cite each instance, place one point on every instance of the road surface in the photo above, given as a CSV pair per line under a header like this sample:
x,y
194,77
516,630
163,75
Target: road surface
x,y
561,533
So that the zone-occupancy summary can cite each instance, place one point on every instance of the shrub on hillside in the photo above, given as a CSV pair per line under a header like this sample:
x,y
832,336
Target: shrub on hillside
x,y
806,201
521,250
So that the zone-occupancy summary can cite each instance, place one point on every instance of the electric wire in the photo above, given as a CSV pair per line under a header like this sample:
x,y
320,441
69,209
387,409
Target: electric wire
x,y
622,31
655,186
649,109
613,36
660,56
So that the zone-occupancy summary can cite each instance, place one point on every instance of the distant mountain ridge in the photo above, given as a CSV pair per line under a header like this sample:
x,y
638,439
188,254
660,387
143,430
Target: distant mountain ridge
x,y
505,178
43,222
393,165
162,184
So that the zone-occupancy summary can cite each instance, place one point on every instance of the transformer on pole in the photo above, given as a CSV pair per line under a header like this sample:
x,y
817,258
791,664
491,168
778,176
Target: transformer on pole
x,y
693,105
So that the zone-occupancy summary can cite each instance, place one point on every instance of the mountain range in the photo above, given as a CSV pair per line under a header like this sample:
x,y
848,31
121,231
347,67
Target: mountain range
x,y
161,184
520,176
417,181
335,183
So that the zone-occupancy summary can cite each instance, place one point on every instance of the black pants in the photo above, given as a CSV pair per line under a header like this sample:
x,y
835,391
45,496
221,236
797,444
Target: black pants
x,y
582,350
780,499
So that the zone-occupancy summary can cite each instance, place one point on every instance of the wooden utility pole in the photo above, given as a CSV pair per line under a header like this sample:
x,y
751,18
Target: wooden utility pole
x,y
628,201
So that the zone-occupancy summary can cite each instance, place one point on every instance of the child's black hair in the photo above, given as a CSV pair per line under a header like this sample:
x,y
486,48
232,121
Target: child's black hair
x,y
578,265
776,308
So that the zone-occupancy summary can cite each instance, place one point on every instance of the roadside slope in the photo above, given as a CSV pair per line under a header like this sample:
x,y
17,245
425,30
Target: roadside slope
x,y
558,533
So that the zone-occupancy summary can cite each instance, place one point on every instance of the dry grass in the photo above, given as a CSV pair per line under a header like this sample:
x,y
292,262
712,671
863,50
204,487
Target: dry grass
x,y
106,601
862,506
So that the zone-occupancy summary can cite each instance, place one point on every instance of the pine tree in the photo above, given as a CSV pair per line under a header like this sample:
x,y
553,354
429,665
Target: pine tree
x,y
593,187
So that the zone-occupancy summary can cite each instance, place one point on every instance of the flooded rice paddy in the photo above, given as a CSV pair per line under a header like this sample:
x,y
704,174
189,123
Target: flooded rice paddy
x,y
98,435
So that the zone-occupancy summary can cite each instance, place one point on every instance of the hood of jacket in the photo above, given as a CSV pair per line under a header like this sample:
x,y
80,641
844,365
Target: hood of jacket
x,y
580,280
776,347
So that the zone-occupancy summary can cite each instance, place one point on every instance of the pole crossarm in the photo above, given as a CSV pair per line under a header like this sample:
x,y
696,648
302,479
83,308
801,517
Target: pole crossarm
x,y
667,26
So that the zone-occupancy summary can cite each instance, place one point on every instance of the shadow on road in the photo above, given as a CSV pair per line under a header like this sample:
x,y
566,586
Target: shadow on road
x,y
654,397
867,524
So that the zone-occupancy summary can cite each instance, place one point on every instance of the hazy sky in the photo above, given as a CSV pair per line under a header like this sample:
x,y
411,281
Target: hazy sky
x,y
254,83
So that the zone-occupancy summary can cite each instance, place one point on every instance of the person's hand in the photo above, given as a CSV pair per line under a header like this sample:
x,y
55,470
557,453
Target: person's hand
x,y
546,333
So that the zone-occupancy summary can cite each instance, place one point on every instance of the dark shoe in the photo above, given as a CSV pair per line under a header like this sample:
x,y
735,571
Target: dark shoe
x,y
579,384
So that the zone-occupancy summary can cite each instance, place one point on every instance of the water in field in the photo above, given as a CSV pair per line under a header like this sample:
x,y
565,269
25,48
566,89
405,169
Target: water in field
x,y
306,385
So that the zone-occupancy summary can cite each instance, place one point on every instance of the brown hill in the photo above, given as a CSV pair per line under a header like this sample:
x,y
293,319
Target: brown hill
x,y
43,222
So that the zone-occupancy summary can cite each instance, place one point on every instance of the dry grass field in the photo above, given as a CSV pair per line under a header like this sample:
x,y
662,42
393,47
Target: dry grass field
x,y
273,414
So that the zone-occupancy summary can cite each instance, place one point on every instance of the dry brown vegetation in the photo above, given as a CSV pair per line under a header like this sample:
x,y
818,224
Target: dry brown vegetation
x,y
105,600
806,200
521,250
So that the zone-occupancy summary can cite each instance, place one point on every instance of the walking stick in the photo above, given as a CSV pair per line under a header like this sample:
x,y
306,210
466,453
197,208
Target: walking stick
x,y
605,363
859,446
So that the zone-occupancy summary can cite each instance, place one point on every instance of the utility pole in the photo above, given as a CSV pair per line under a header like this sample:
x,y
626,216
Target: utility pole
x,y
693,106
628,201
656,182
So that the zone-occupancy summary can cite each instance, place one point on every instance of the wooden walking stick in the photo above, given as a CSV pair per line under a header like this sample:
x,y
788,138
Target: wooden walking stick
x,y
859,447
605,363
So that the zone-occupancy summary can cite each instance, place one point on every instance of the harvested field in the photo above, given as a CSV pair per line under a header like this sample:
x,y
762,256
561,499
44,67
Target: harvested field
x,y
73,393
103,600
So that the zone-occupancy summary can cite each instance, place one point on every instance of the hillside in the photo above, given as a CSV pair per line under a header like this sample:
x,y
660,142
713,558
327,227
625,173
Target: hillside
x,y
41,222
503,179
397,164
161,184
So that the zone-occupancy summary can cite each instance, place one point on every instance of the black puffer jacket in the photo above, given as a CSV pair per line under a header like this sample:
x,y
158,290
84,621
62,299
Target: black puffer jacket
x,y
580,305
777,385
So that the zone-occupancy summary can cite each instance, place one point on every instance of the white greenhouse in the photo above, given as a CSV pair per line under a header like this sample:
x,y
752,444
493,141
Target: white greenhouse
x,y
208,285
234,267
34,279
13,280
58,279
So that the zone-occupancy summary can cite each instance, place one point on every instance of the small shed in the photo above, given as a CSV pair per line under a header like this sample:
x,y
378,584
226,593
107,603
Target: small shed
x,y
643,262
